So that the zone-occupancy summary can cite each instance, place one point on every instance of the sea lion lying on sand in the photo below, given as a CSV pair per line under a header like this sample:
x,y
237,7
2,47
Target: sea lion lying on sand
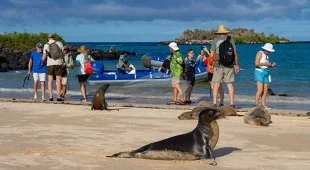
x,y
197,144
192,115
257,116
99,102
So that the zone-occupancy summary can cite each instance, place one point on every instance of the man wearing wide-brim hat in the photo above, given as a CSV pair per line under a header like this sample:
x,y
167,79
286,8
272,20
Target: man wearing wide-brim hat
x,y
223,73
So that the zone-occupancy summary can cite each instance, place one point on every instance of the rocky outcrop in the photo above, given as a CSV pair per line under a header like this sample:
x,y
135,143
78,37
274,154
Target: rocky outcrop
x,y
18,59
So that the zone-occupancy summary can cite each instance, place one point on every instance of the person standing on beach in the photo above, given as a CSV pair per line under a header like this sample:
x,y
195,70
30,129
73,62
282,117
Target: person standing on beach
x,y
261,73
224,71
189,74
66,67
52,53
38,70
176,68
210,63
82,76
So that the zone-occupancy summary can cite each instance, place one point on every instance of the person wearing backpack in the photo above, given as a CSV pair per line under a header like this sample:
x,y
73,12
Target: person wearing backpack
x,y
84,60
226,64
52,54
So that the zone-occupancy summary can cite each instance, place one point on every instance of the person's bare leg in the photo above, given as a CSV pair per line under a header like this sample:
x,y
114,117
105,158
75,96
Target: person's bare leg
x,y
43,89
215,92
83,89
63,90
179,91
259,92
231,92
221,94
50,85
175,93
35,88
264,96
58,81
188,93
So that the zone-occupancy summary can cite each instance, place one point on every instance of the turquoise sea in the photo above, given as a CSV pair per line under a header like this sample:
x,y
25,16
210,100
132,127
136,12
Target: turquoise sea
x,y
291,76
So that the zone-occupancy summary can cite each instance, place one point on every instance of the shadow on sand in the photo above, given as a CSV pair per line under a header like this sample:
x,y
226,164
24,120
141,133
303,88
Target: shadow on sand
x,y
224,151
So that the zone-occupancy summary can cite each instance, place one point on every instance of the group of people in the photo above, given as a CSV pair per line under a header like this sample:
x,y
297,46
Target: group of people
x,y
222,65
55,60
221,61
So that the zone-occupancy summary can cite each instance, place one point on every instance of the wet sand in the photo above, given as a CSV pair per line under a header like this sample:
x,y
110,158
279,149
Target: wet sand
x,y
63,136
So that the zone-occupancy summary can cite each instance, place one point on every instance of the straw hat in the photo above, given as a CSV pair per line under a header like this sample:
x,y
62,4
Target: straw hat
x,y
268,47
222,30
82,49
174,46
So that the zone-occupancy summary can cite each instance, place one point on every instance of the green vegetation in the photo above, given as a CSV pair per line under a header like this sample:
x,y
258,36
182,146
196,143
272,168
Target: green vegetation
x,y
23,41
241,35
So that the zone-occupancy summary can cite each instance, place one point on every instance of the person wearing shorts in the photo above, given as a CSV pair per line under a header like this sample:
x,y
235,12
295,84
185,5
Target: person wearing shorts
x,y
38,70
223,73
53,67
176,68
82,76
261,73
66,67
189,75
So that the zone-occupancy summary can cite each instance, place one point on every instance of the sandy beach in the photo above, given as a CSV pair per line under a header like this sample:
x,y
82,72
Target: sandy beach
x,y
63,136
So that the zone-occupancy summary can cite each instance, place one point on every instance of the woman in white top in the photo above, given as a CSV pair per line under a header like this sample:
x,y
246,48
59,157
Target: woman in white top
x,y
261,74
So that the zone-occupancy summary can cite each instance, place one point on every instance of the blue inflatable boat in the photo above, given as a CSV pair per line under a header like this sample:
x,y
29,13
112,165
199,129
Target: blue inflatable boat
x,y
149,75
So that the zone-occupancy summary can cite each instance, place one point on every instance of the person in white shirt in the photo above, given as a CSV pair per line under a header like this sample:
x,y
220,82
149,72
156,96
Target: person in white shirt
x,y
53,64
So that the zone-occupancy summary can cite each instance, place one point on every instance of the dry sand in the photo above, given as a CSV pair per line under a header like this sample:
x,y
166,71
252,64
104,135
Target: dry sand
x,y
59,136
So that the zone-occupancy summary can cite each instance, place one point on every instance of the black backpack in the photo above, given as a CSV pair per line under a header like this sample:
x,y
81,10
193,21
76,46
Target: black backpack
x,y
227,53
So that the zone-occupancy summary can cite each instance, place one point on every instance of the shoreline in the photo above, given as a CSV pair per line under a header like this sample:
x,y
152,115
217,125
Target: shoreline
x,y
279,112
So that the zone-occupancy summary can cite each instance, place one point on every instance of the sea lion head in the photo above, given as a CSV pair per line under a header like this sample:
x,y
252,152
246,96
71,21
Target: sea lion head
x,y
208,115
105,87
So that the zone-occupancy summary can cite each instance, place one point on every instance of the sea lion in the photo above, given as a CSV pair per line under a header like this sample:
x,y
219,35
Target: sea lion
x,y
197,144
191,115
99,102
257,116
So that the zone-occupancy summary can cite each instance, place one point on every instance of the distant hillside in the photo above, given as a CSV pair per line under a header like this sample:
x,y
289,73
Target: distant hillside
x,y
241,35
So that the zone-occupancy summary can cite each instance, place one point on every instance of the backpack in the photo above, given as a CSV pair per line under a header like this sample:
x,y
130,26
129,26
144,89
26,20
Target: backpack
x,y
226,53
54,51
87,66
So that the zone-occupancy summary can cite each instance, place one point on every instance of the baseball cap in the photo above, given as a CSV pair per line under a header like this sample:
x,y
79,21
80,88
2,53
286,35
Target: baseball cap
x,y
174,46
39,45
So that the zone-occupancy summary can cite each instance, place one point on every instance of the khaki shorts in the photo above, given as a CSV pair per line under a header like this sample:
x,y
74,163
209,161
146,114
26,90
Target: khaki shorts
x,y
54,70
175,80
64,80
225,74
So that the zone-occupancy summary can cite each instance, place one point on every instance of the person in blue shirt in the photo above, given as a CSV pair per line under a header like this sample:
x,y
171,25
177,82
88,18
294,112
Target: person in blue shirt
x,y
38,70
189,74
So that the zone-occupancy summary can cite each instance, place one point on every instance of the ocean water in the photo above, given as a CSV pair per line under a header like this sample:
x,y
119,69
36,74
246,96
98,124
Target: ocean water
x,y
291,76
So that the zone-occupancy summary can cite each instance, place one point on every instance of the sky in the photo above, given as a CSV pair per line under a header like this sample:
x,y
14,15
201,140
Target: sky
x,y
153,20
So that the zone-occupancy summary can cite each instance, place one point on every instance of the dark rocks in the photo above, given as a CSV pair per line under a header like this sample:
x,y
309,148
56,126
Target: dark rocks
x,y
11,59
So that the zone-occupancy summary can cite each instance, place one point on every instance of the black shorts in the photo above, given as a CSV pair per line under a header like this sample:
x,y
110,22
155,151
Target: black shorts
x,y
83,78
210,76
54,70
190,78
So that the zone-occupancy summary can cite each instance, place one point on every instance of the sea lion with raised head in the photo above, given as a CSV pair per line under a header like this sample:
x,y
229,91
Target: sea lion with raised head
x,y
99,102
257,116
197,144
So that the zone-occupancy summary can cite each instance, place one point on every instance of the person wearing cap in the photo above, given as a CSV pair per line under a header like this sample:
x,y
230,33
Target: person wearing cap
x,y
53,67
176,69
82,76
223,73
66,70
38,70
261,73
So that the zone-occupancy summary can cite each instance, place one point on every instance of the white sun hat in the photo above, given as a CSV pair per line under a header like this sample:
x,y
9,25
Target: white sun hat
x,y
174,46
268,47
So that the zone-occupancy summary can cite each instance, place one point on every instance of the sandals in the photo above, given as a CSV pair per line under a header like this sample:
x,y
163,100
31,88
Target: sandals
x,y
172,102
83,99
180,103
